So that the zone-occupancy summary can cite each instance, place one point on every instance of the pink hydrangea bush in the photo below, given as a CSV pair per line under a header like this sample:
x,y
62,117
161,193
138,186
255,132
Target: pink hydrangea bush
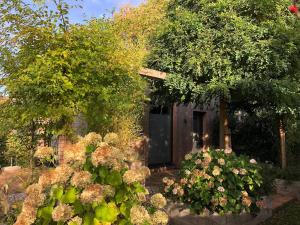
x,y
96,185
216,181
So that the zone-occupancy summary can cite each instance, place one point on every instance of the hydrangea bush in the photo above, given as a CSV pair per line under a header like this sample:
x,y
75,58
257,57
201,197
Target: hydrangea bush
x,y
216,181
98,184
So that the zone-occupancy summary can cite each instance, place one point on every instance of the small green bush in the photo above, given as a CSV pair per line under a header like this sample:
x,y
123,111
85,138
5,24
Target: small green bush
x,y
216,181
98,184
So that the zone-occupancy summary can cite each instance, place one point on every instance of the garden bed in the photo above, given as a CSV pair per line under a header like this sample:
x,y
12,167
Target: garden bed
x,y
180,215
285,187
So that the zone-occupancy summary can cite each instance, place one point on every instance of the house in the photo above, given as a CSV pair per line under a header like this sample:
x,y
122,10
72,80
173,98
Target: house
x,y
174,131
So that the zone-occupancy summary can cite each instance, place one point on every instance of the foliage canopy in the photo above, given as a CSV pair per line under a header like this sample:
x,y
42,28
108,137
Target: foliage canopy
x,y
246,50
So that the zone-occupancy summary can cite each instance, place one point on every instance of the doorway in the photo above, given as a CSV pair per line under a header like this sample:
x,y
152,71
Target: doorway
x,y
160,143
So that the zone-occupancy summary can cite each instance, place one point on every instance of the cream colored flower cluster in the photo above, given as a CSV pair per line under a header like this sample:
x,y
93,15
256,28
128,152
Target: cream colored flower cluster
x,y
59,175
108,155
92,193
136,175
81,179
91,138
71,173
111,138
34,199
158,201
139,215
74,154
62,212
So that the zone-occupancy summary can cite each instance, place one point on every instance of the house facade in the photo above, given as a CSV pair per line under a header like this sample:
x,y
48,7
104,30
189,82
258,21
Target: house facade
x,y
174,131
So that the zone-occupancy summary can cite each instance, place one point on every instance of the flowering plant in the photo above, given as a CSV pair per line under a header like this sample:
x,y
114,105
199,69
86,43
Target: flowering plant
x,y
216,181
98,184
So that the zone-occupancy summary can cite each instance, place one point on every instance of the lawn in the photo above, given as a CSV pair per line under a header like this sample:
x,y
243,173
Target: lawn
x,y
289,215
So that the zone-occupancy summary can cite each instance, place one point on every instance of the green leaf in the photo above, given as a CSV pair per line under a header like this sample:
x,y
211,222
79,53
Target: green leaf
x,y
45,212
107,212
58,192
90,149
88,219
70,196
139,188
121,196
103,173
125,209
78,207
114,178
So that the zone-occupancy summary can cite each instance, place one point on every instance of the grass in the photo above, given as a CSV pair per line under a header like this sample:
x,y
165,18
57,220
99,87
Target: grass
x,y
288,215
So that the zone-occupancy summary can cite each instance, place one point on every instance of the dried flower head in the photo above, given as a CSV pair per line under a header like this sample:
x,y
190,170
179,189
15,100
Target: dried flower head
x,y
145,171
188,156
133,175
244,193
235,171
48,178
101,155
111,138
198,161
141,197
62,213
75,220
243,171
64,172
159,218
44,152
246,200
221,189
108,191
92,193
139,215
74,154
81,179
158,201
216,171
34,189
221,162
27,216
34,200
91,139
228,151
223,201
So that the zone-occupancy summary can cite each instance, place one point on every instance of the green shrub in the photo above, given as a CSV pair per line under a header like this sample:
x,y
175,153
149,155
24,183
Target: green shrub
x,y
216,181
98,184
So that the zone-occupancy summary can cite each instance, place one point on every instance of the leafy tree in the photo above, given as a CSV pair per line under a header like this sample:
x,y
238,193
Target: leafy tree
x,y
228,50
54,71
136,25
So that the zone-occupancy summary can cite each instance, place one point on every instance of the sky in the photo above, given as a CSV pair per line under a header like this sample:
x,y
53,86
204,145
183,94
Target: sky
x,y
95,8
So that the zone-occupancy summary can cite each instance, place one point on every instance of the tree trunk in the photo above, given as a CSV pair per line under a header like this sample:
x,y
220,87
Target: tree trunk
x,y
282,144
224,133
32,144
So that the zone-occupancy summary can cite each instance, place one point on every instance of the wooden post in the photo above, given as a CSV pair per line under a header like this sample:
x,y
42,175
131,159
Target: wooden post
x,y
224,133
282,133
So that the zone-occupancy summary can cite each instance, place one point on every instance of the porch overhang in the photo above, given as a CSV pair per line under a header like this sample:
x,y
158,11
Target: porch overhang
x,y
153,74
